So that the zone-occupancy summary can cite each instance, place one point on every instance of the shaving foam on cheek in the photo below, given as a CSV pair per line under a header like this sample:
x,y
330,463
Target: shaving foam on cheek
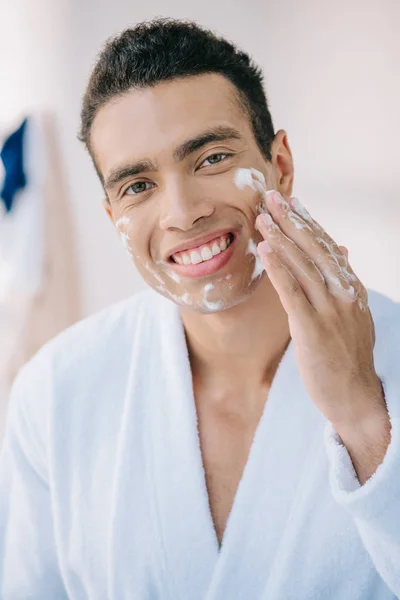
x,y
171,274
243,178
185,299
258,265
211,306
121,226
255,180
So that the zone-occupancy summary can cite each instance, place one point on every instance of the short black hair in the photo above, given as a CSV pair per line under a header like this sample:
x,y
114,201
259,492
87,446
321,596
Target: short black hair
x,y
165,49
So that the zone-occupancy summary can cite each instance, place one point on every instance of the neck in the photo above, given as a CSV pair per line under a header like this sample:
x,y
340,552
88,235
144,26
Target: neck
x,y
237,351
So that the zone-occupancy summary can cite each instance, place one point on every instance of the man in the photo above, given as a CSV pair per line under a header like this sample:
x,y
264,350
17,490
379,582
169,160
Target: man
x,y
172,446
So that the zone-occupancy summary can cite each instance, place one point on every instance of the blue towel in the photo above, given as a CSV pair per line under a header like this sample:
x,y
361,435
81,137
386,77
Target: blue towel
x,y
13,160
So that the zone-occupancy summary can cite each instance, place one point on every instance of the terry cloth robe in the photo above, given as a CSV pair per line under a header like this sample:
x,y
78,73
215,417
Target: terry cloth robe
x,y
102,486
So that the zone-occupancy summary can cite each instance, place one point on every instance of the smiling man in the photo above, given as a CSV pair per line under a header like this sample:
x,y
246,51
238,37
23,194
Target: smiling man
x,y
233,431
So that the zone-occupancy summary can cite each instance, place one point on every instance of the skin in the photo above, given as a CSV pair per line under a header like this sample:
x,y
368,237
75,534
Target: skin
x,y
235,347
331,328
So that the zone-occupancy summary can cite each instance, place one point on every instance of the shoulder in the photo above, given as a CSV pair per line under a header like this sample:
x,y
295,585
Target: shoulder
x,y
84,350
95,336
80,367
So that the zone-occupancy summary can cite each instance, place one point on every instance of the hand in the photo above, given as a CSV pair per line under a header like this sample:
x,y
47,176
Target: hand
x,y
327,306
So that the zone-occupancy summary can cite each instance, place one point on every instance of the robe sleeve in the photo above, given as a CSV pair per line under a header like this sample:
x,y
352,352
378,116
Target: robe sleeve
x,y
28,558
375,506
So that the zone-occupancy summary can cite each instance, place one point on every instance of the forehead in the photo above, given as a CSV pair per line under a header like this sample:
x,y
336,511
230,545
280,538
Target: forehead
x,y
152,121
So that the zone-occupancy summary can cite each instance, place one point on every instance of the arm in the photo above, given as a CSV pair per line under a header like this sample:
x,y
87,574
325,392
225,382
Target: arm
x,y
28,558
371,491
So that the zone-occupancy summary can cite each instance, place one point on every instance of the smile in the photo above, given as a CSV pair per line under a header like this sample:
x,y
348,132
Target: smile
x,y
205,259
204,252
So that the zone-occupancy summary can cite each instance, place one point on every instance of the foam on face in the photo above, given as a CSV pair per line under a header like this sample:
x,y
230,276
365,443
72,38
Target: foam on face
x,y
301,219
121,226
211,306
185,299
255,180
244,178
258,265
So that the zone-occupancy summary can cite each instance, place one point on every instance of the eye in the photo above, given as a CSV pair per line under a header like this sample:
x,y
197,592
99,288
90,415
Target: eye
x,y
138,187
214,159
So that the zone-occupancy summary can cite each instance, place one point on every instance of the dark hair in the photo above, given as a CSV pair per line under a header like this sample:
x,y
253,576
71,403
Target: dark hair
x,y
165,49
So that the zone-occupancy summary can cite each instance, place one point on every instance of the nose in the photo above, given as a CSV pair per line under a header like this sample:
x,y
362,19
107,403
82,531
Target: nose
x,y
182,206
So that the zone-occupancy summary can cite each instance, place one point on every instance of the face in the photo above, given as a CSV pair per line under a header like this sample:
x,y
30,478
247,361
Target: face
x,y
170,157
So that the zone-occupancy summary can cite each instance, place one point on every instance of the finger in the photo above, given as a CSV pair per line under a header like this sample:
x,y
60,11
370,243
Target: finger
x,y
290,292
296,262
319,246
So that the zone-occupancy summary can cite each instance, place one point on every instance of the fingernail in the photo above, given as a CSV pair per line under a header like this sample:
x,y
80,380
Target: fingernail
x,y
265,247
267,220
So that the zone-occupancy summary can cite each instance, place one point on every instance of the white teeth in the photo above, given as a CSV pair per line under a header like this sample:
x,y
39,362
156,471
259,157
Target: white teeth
x,y
195,257
206,253
215,249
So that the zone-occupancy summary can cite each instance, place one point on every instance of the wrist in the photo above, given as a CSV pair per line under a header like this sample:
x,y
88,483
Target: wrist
x,y
366,410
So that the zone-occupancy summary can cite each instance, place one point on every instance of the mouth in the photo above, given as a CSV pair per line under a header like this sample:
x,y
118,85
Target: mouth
x,y
205,259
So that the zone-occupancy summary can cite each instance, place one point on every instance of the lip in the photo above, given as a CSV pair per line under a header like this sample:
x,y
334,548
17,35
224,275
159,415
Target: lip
x,y
207,267
198,242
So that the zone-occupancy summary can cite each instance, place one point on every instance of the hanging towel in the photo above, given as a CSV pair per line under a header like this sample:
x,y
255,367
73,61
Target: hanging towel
x,y
38,275
22,232
102,466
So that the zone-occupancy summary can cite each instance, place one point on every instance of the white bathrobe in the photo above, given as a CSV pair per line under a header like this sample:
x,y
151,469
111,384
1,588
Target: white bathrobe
x,y
102,486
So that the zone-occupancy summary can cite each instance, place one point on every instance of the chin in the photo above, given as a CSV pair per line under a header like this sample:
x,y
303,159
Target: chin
x,y
218,302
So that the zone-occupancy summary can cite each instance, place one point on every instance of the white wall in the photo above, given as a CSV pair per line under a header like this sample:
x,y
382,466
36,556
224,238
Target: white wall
x,y
332,78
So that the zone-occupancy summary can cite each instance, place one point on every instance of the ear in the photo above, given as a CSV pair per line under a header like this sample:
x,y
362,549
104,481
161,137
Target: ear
x,y
282,162
108,209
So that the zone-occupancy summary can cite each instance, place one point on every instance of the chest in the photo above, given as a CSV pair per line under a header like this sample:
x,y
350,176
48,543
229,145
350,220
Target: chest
x,y
225,442
135,521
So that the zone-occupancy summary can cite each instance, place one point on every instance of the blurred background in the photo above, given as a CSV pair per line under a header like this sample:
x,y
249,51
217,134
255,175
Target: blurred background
x,y
332,80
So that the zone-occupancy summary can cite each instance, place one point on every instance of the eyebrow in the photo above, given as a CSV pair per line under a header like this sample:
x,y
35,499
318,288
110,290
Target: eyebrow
x,y
216,134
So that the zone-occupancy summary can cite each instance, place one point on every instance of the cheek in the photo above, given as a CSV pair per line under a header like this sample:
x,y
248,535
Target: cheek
x,y
253,187
135,239
133,236
250,203
123,226
226,193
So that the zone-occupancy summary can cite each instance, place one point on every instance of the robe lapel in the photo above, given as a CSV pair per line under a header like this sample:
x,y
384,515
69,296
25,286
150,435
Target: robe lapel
x,y
185,522
264,500
198,568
